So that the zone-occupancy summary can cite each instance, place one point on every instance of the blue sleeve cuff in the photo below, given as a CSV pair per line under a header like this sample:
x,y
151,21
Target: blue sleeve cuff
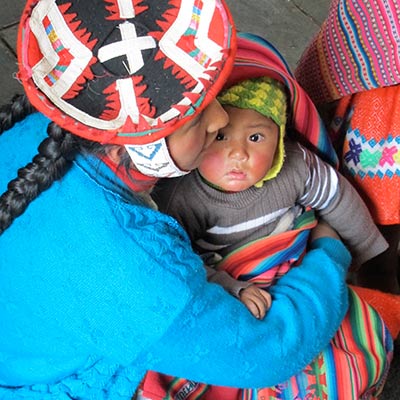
x,y
335,249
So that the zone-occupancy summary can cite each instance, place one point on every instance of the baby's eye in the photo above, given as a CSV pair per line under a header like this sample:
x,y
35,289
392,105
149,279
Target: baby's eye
x,y
256,137
220,136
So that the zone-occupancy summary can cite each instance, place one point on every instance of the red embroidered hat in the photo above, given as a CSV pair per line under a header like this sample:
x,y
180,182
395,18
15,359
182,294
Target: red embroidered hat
x,y
124,71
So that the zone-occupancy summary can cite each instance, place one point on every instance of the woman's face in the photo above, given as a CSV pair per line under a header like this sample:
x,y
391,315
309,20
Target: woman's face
x,y
187,144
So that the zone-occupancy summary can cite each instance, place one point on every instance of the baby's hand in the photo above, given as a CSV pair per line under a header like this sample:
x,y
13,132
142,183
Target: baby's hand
x,y
257,300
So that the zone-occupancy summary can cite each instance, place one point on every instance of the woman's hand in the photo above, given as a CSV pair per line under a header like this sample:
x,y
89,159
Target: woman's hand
x,y
257,300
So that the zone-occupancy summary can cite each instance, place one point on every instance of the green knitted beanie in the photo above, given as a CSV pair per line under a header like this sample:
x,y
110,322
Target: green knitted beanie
x,y
268,97
265,95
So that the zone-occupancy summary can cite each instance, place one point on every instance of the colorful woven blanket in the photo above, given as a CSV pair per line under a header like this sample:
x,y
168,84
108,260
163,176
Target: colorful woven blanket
x,y
265,260
353,366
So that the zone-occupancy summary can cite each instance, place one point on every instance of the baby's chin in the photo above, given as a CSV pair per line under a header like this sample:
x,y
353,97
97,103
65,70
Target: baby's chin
x,y
235,186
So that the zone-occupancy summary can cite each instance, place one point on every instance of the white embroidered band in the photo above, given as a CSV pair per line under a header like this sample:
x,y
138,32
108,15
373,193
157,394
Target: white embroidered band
x,y
154,160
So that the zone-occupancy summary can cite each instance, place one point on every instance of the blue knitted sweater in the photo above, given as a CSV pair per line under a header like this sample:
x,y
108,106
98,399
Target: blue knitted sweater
x,y
96,287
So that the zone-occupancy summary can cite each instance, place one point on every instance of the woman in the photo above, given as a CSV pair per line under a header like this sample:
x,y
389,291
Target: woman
x,y
96,285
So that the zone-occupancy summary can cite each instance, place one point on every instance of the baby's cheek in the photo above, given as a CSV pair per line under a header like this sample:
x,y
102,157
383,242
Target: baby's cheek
x,y
262,163
211,165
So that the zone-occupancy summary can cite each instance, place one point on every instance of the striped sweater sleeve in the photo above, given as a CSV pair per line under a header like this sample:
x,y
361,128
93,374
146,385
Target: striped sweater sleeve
x,y
339,204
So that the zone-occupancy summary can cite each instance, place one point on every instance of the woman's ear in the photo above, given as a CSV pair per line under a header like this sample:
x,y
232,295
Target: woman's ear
x,y
115,153
119,156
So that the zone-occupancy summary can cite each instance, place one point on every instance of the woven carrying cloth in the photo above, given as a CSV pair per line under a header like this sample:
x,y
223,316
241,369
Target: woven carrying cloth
x,y
353,366
356,49
257,57
265,260
124,71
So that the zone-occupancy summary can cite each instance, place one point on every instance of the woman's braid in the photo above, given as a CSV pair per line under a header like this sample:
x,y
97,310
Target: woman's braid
x,y
55,155
14,112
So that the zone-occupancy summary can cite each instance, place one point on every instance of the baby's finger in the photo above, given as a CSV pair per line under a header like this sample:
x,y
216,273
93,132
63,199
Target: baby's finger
x,y
252,307
267,298
261,306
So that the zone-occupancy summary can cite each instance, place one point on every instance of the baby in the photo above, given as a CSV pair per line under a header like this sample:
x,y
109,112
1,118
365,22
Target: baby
x,y
254,183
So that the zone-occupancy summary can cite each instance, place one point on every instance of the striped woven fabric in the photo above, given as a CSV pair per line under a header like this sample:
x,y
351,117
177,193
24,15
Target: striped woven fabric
x,y
353,366
265,260
257,57
356,49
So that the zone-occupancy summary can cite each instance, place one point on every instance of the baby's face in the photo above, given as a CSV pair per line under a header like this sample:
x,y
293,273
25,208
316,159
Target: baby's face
x,y
243,151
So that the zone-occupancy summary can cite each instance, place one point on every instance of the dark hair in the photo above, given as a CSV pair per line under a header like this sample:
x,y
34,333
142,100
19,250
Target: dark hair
x,y
54,158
